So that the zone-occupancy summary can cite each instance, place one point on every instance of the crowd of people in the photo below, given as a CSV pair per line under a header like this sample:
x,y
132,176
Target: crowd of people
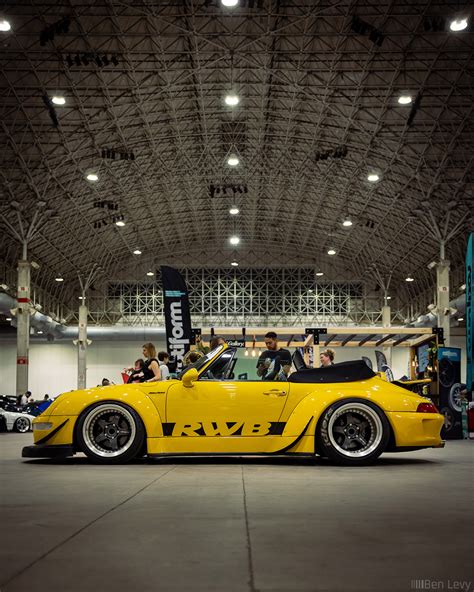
x,y
28,399
273,364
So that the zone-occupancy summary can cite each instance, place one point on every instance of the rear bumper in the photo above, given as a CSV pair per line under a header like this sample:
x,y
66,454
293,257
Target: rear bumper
x,y
412,429
45,451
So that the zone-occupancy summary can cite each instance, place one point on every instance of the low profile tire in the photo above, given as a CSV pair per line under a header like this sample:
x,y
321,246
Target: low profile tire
x,y
352,432
110,433
22,425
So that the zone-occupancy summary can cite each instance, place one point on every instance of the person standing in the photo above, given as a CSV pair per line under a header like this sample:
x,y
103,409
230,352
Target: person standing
x,y
326,358
163,359
275,363
151,367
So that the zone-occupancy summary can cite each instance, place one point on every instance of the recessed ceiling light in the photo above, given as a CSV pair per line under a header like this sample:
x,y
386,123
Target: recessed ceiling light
x,y
234,264
234,210
229,2
331,251
409,279
150,273
59,279
319,273
137,252
92,177
404,99
234,240
120,223
460,319
58,100
5,25
231,100
458,24
232,160
373,177
347,222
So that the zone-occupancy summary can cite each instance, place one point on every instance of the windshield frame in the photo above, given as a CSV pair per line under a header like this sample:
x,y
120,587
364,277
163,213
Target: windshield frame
x,y
199,364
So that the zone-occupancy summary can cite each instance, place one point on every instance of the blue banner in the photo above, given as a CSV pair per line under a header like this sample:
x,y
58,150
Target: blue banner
x,y
469,313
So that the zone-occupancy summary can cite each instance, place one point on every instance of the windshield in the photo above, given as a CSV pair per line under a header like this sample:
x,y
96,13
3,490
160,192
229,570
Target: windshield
x,y
198,364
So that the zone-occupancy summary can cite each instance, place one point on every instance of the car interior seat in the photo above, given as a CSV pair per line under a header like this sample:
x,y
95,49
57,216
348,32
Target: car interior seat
x,y
298,360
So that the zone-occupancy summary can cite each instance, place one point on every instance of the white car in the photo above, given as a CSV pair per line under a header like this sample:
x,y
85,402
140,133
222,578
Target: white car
x,y
16,421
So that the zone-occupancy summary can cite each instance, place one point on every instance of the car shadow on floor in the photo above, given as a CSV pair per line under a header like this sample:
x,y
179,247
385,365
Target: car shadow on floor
x,y
269,461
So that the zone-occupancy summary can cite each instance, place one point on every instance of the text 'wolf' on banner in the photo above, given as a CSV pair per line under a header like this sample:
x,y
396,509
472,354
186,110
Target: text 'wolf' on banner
x,y
177,317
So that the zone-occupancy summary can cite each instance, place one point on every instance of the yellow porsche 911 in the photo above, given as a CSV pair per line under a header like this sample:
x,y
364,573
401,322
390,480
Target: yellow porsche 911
x,y
220,406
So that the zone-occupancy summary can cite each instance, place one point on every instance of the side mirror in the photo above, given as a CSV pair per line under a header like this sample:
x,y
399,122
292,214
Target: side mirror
x,y
189,377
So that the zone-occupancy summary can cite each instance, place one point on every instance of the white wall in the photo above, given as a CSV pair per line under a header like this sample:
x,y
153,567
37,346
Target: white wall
x,y
53,366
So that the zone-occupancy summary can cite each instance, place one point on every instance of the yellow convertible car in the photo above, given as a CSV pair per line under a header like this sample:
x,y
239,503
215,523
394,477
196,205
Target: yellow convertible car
x,y
220,406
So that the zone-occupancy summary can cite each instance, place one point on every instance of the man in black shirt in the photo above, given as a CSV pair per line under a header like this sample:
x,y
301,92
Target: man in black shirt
x,y
275,363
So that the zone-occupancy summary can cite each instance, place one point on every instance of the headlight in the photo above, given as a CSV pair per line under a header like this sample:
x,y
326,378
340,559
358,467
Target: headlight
x,y
45,425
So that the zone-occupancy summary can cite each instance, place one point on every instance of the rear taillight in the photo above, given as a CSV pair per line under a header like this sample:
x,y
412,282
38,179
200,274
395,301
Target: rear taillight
x,y
427,408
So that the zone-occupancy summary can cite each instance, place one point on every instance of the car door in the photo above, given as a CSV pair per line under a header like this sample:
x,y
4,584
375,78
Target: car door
x,y
220,413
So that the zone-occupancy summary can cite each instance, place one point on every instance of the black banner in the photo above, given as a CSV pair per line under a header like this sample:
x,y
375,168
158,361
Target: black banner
x,y
177,316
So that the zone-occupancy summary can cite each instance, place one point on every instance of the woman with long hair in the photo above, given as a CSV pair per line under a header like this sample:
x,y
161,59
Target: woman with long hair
x,y
151,367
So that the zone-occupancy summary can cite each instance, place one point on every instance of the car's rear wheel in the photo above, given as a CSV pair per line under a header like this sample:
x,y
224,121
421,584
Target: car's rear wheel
x,y
110,432
22,425
352,432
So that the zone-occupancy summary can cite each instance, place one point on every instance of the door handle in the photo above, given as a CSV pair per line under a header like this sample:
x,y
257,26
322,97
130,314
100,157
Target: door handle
x,y
275,393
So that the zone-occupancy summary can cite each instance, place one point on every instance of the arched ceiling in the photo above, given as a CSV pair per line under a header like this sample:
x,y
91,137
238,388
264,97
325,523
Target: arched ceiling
x,y
311,81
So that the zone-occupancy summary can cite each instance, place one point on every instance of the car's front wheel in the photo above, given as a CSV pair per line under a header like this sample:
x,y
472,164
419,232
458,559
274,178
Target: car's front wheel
x,y
22,425
110,432
352,432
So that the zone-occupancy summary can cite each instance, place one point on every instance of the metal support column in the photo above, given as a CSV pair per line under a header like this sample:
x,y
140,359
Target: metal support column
x,y
442,299
23,327
82,348
386,322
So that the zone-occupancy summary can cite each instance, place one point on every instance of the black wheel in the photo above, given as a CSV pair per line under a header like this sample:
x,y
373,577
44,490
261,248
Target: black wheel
x,y
352,432
22,425
446,373
110,432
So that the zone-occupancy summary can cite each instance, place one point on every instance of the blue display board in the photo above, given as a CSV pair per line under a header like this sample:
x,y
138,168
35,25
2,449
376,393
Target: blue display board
x,y
469,313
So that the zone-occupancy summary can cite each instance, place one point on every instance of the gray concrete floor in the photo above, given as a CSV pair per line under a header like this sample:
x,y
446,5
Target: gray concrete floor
x,y
276,525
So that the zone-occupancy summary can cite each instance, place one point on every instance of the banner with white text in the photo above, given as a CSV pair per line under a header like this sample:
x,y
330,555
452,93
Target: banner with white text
x,y
177,315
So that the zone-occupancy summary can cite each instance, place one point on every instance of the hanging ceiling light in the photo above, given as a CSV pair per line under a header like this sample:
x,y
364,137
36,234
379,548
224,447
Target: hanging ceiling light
x,y
319,273
92,177
347,222
58,100
229,3
458,24
232,100
331,251
404,99
59,279
234,210
150,273
373,177
233,160
137,252
234,264
120,223
409,279
5,25
234,240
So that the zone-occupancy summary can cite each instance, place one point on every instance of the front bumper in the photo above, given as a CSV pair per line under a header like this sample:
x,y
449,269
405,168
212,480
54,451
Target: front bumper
x,y
45,451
